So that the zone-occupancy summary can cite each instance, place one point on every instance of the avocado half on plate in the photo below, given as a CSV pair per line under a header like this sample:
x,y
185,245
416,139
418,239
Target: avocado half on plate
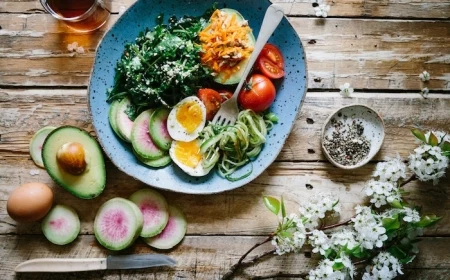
x,y
74,160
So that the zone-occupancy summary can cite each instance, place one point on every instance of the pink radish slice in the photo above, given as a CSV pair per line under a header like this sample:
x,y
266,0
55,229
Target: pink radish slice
x,y
36,144
155,210
61,225
117,224
142,143
124,124
172,234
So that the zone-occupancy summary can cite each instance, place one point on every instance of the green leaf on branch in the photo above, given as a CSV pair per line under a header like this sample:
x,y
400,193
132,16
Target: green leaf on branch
x,y
446,146
391,223
433,140
330,253
407,260
397,252
396,204
428,221
360,253
419,134
338,266
283,209
272,204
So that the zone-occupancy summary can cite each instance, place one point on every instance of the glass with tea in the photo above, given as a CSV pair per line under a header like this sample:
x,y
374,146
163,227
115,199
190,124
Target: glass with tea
x,y
81,15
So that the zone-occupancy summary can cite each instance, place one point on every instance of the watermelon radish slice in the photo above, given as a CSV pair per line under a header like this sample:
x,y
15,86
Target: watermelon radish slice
x,y
61,225
36,144
173,233
160,162
112,113
117,224
158,129
141,140
154,208
124,124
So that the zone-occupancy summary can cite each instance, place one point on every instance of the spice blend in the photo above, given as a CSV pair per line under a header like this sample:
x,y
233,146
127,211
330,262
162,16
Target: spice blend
x,y
347,145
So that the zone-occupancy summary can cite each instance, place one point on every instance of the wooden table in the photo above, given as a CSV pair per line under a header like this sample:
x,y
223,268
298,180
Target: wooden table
x,y
378,46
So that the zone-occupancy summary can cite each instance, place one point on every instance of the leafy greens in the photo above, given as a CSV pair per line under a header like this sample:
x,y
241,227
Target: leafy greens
x,y
163,65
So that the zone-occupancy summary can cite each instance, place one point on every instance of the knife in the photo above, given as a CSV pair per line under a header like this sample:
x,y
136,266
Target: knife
x,y
110,262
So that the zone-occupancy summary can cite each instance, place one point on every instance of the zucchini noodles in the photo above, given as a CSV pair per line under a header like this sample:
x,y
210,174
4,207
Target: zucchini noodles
x,y
233,146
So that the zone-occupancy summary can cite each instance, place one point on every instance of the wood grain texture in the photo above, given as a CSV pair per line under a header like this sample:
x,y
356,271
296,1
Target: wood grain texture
x,y
22,112
205,257
348,8
371,54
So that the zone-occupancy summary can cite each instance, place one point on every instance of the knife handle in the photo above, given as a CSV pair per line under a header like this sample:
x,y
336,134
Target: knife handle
x,y
61,265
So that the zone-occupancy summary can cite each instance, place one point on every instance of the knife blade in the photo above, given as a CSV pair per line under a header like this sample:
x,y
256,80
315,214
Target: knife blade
x,y
88,264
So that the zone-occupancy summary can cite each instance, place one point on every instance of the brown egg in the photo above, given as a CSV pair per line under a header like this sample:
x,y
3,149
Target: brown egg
x,y
30,202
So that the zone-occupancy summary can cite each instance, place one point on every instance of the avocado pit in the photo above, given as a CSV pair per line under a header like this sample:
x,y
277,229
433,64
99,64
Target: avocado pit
x,y
71,158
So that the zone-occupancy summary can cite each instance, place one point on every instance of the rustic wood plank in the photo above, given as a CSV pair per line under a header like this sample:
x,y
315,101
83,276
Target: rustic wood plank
x,y
349,8
22,112
375,54
205,257
237,212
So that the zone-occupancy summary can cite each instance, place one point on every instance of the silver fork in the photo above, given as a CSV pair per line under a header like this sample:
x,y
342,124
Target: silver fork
x,y
229,110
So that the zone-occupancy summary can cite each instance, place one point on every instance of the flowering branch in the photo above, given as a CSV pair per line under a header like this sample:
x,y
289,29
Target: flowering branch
x,y
383,234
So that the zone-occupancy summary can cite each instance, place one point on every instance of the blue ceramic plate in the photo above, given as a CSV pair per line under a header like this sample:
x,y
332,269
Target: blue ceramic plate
x,y
142,14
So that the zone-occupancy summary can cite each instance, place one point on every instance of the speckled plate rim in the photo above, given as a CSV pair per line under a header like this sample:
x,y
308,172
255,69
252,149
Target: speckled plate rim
x,y
244,181
365,161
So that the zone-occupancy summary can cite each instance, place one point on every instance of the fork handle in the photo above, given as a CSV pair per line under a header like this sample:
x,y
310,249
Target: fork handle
x,y
272,18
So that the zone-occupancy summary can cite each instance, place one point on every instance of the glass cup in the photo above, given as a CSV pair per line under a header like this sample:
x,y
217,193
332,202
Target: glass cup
x,y
80,15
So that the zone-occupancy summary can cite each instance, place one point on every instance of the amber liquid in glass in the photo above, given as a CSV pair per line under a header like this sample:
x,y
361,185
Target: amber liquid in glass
x,y
92,14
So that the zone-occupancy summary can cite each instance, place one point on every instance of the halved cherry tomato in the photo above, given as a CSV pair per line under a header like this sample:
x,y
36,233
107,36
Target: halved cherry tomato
x,y
226,94
258,94
212,100
270,62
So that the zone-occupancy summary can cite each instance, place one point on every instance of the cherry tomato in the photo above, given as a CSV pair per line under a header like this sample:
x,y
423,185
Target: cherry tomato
x,y
258,94
270,62
212,100
226,94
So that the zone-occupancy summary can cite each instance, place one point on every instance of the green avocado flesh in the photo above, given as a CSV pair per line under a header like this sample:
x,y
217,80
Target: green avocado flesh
x,y
88,184
236,77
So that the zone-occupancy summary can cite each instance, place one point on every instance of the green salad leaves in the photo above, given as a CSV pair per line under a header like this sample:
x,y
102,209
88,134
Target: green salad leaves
x,y
163,65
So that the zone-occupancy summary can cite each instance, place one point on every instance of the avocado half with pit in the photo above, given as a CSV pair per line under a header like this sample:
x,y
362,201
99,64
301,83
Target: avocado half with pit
x,y
236,76
74,160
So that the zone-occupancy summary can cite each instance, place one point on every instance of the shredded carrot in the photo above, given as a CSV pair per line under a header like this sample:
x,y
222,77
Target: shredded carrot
x,y
225,43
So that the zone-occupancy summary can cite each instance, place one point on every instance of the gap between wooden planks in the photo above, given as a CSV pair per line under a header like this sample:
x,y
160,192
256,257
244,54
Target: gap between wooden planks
x,y
350,8
368,53
198,257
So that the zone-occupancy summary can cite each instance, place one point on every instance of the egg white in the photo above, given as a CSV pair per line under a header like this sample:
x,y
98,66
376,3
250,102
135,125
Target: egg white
x,y
197,171
176,130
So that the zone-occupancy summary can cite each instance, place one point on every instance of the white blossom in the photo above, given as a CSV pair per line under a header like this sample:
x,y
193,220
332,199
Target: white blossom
x,y
424,76
324,271
424,92
291,237
346,90
384,267
410,215
382,192
347,262
369,228
428,163
322,10
343,238
316,208
319,241
390,171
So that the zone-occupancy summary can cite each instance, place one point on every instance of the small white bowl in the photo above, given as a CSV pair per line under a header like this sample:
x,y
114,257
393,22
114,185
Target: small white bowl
x,y
373,130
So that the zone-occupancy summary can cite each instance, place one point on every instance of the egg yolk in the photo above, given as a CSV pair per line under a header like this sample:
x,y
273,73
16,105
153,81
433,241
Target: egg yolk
x,y
190,116
188,153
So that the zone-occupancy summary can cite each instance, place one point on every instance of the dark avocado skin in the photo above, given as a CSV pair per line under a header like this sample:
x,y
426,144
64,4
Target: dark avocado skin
x,y
95,173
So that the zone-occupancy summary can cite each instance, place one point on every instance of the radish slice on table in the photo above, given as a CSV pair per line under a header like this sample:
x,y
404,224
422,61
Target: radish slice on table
x,y
118,223
173,233
61,225
155,210
36,144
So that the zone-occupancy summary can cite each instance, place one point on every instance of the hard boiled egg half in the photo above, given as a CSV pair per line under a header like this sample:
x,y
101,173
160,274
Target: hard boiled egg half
x,y
188,157
187,119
